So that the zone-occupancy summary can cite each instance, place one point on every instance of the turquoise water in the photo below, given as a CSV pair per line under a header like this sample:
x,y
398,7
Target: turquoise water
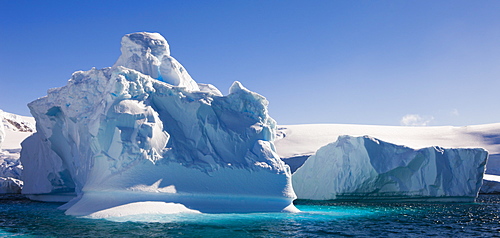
x,y
25,218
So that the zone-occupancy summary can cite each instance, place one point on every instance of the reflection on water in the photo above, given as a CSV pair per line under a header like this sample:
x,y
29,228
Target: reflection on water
x,y
28,218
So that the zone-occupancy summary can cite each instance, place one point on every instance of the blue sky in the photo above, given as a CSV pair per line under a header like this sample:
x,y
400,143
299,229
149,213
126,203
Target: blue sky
x,y
355,62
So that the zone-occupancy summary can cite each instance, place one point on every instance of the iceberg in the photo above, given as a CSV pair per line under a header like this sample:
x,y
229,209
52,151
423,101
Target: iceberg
x,y
365,168
144,132
296,143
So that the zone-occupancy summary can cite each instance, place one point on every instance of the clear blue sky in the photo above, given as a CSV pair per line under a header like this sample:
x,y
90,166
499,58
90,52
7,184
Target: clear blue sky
x,y
356,62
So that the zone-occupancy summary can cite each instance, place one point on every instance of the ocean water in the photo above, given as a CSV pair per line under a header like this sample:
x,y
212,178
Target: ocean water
x,y
25,218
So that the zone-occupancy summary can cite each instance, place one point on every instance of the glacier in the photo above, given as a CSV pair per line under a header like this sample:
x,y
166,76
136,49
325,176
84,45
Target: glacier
x,y
365,168
143,131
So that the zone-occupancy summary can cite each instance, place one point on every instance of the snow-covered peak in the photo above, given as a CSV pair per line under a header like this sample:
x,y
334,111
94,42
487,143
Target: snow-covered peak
x,y
13,129
2,132
13,122
149,53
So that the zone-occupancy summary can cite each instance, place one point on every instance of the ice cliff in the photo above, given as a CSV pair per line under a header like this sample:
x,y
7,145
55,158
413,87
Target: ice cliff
x,y
143,131
357,168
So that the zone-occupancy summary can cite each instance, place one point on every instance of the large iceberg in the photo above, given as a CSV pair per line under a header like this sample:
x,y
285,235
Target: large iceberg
x,y
296,143
357,168
142,131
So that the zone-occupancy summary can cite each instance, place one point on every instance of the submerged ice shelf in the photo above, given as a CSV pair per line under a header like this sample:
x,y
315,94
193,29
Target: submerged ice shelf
x,y
143,131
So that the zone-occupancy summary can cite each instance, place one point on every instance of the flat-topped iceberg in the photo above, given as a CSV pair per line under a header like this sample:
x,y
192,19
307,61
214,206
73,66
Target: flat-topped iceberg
x,y
142,131
358,168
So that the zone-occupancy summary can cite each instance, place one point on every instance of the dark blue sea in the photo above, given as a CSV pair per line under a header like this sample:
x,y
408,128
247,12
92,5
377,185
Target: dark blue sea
x,y
24,218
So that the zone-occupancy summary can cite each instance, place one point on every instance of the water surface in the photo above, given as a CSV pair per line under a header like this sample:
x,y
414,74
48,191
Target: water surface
x,y
25,218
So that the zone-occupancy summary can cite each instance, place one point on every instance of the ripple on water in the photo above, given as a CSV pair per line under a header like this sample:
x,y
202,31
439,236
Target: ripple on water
x,y
21,217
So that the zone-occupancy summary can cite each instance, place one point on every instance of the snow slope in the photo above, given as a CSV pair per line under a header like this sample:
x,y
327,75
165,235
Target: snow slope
x,y
16,129
142,131
367,168
2,130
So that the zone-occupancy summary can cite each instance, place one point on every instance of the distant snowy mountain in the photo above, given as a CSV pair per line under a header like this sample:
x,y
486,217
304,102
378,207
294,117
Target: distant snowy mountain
x,y
13,122
16,128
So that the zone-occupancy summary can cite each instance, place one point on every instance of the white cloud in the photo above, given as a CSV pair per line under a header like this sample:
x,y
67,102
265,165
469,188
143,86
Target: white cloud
x,y
455,112
416,120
